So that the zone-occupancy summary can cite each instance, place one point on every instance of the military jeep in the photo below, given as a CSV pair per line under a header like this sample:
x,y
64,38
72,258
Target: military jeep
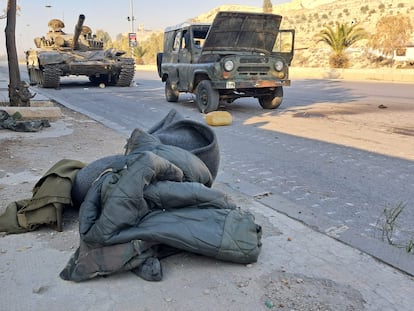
x,y
239,55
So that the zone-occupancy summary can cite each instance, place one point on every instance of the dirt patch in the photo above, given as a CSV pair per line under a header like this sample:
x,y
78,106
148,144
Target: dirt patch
x,y
14,162
404,131
286,291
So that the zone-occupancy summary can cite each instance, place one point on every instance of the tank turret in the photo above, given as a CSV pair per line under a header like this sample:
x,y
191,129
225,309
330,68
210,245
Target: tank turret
x,y
78,31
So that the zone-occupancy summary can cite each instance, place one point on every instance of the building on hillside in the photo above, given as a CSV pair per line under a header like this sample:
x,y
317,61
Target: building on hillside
x,y
144,34
405,54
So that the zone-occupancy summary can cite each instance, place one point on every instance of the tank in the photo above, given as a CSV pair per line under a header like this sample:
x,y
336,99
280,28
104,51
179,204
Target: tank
x,y
59,54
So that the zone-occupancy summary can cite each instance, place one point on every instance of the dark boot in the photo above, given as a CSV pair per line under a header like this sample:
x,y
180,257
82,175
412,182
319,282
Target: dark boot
x,y
150,270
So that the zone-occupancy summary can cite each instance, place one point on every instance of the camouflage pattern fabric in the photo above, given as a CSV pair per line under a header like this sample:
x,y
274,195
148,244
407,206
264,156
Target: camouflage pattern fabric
x,y
12,123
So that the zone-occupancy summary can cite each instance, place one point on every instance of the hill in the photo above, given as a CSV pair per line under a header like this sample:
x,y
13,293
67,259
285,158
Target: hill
x,y
308,17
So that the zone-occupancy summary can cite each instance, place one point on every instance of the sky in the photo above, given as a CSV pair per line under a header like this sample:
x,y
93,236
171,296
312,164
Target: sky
x,y
108,15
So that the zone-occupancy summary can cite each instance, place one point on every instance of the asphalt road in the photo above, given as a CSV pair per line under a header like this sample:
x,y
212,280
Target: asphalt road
x,y
335,189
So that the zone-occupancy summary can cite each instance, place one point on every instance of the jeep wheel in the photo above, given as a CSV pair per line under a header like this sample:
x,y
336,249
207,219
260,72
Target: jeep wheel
x,y
207,98
171,95
272,101
159,62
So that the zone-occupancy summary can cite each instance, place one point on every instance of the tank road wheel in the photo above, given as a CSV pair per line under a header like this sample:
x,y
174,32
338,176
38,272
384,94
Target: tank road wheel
x,y
49,77
98,80
207,98
94,80
171,95
272,101
126,75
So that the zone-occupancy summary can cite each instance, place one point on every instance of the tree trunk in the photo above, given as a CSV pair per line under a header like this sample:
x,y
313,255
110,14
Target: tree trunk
x,y
19,94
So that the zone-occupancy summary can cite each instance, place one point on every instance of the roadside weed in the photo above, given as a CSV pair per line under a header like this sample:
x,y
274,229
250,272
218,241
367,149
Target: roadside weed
x,y
387,223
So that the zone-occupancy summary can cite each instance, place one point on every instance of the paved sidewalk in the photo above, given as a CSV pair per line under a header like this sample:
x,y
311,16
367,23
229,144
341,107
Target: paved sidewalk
x,y
298,268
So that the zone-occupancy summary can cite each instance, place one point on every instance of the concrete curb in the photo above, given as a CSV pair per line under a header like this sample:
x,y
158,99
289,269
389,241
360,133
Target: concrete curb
x,y
380,74
36,113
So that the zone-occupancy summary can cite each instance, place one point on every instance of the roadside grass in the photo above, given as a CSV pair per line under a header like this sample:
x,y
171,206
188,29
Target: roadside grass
x,y
387,223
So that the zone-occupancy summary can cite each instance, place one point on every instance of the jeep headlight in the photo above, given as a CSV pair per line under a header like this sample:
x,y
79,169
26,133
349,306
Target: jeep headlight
x,y
279,65
228,65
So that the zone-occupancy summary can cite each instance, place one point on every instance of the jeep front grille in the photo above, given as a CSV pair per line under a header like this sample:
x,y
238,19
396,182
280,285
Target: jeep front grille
x,y
256,70
257,60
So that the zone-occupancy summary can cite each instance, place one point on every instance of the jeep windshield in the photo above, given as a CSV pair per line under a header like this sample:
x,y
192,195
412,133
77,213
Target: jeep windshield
x,y
239,31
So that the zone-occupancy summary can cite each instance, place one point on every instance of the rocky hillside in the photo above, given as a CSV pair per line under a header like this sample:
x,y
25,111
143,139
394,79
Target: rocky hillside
x,y
308,17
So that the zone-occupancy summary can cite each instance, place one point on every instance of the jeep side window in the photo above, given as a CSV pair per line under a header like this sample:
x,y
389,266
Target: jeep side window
x,y
185,44
199,36
177,42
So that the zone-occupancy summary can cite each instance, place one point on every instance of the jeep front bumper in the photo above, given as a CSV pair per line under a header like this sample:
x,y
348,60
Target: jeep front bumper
x,y
240,85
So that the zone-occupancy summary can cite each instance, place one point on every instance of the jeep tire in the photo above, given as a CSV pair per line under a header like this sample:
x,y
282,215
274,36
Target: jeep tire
x,y
272,101
207,98
171,95
159,62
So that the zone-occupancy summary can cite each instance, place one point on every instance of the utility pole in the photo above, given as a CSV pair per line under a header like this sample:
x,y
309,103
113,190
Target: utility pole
x,y
132,16
132,38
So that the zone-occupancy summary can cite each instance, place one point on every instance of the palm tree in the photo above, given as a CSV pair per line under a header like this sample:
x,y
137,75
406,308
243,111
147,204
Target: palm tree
x,y
139,53
339,39
267,6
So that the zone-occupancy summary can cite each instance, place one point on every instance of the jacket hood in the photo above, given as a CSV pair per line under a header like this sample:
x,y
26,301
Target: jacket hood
x,y
141,141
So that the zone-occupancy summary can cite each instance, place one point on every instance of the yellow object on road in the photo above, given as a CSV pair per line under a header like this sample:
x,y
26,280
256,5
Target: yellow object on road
x,y
219,118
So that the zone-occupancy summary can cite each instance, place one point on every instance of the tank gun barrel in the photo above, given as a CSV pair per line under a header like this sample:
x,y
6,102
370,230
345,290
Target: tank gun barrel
x,y
78,30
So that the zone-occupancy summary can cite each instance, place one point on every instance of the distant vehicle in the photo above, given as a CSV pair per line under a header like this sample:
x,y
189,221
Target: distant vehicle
x,y
59,54
239,55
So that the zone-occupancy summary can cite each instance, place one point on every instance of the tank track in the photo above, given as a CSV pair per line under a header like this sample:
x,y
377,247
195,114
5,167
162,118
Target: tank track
x,y
126,74
51,77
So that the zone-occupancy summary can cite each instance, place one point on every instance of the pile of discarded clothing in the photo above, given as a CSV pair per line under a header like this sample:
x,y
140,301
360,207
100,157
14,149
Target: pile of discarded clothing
x,y
154,201
13,122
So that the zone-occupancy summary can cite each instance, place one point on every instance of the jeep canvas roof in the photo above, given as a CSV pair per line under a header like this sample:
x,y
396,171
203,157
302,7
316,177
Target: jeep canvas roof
x,y
241,31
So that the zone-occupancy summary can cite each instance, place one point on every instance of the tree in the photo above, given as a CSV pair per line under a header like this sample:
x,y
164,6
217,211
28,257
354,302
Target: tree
x,y
105,37
339,39
153,45
267,6
392,33
139,52
122,43
19,94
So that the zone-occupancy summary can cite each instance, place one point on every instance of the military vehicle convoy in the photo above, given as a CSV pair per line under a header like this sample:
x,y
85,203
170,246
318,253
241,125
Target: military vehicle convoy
x,y
59,54
240,54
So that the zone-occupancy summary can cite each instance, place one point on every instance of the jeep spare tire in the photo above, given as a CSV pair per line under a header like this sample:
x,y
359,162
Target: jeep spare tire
x,y
207,98
272,101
